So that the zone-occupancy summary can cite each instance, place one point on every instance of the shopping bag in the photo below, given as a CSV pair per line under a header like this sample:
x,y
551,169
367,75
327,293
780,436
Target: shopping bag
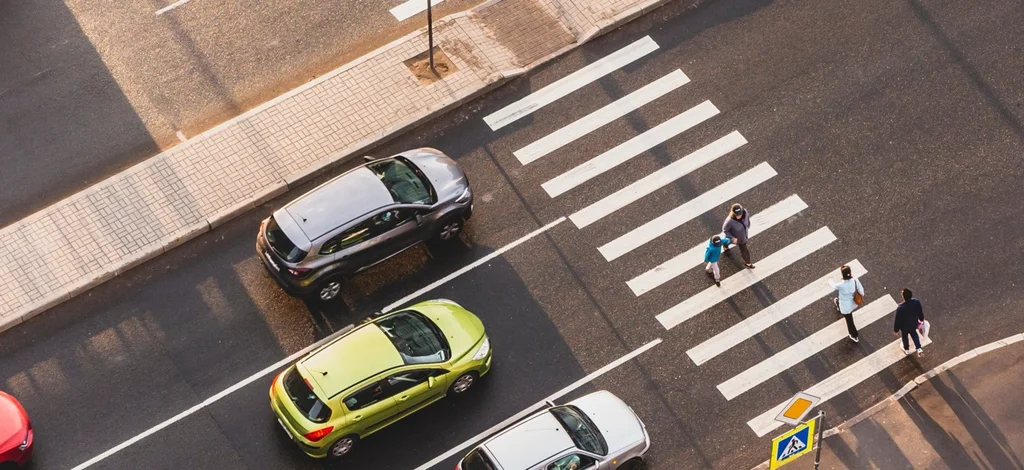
x,y
923,327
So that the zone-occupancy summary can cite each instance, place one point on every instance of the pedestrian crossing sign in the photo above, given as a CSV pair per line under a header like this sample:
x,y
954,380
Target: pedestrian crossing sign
x,y
787,447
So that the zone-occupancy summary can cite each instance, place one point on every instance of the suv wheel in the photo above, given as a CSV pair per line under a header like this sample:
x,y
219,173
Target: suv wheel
x,y
342,446
329,289
449,229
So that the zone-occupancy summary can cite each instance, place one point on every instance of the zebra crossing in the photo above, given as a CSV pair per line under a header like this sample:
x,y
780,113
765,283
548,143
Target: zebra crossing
x,y
711,200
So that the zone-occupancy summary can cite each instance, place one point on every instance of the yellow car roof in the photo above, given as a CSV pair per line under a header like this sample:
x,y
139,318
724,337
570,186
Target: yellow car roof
x,y
360,354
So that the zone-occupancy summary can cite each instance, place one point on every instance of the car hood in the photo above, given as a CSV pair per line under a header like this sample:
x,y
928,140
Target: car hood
x,y
448,180
620,427
13,422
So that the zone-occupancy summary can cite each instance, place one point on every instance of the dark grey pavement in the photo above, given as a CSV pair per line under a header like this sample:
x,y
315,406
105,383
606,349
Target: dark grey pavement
x,y
971,416
897,122
88,89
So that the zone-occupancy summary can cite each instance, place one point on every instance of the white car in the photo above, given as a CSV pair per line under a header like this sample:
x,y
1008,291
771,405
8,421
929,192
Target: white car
x,y
596,432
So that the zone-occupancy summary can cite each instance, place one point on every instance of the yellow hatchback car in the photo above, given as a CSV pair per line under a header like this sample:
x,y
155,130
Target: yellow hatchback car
x,y
379,373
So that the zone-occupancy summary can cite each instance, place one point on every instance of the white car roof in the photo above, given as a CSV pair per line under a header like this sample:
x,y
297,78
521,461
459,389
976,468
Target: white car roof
x,y
530,442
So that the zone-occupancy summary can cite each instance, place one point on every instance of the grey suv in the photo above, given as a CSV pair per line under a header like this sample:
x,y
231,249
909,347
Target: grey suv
x,y
363,217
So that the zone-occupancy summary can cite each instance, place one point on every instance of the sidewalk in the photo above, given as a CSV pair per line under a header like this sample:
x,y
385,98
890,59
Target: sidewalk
x,y
134,216
971,416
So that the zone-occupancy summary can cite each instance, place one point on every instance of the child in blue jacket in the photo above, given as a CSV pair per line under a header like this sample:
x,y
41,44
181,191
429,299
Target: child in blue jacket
x,y
711,256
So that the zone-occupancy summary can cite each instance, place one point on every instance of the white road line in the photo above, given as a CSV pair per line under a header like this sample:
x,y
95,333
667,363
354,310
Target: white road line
x,y
171,7
769,316
657,180
570,83
209,401
734,284
629,149
680,215
839,382
610,112
805,348
495,254
694,257
295,356
411,8
536,406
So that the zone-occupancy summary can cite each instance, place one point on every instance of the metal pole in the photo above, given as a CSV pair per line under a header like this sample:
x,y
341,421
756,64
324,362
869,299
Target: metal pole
x,y
821,429
430,36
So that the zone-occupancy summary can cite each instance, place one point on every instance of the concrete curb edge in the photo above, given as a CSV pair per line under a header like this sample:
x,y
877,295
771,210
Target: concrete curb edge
x,y
966,356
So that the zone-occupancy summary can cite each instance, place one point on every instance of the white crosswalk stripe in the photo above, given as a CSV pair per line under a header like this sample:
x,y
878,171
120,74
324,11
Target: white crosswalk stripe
x,y
657,180
629,149
767,317
411,8
736,283
571,83
689,259
805,348
688,211
839,382
601,117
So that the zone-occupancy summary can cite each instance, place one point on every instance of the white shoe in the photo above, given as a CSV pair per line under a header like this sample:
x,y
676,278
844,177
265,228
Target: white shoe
x,y
920,352
908,352
855,339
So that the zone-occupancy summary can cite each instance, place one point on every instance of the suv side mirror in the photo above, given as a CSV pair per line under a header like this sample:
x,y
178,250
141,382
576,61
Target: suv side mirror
x,y
368,159
431,381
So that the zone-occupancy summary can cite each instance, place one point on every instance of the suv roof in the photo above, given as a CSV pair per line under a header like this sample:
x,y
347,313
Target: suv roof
x,y
338,202
363,352
541,434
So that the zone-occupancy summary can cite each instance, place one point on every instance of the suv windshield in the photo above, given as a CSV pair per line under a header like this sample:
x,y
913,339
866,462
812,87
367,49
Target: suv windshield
x,y
417,339
304,398
581,429
281,243
405,182
477,460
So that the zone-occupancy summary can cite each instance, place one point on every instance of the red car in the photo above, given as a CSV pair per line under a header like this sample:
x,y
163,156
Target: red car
x,y
15,432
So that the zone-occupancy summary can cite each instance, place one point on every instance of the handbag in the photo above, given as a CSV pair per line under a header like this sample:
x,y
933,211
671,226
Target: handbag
x,y
857,298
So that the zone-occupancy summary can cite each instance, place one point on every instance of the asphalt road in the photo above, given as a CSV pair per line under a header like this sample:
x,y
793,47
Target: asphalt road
x,y
898,123
88,89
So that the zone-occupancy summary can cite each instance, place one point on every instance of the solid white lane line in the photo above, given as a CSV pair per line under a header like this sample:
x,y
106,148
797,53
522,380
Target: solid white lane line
x,y
171,7
295,356
536,406
410,8
689,210
495,254
570,83
610,112
736,283
209,401
805,348
694,257
657,180
769,316
629,149
839,382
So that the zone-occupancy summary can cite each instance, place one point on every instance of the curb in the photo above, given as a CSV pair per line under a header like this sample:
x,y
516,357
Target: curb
x,y
328,163
846,425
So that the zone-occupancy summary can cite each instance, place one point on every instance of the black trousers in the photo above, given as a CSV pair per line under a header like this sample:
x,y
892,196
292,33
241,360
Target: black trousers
x,y
744,252
850,326
912,334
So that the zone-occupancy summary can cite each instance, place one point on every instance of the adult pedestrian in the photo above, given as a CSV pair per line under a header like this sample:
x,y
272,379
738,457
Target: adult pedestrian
x,y
845,301
909,316
737,227
711,256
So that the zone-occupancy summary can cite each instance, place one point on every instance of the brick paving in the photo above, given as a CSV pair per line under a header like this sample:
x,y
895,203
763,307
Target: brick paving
x,y
138,214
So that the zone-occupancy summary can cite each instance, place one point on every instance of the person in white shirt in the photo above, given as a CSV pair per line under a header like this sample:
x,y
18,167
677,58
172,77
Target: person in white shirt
x,y
844,302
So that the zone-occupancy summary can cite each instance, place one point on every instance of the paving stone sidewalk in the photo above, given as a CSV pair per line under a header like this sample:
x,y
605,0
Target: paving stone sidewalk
x,y
111,227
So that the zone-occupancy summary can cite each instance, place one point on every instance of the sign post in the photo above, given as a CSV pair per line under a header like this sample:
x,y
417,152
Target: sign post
x,y
430,36
821,428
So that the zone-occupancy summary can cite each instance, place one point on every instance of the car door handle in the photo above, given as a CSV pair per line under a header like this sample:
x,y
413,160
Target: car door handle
x,y
403,398
357,418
